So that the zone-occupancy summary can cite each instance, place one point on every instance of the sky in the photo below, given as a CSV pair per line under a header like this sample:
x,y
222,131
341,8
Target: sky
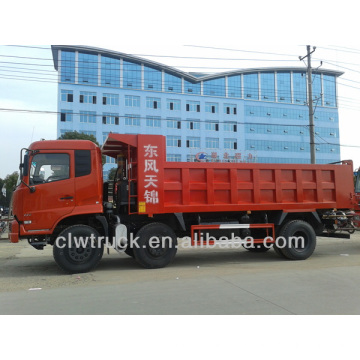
x,y
190,29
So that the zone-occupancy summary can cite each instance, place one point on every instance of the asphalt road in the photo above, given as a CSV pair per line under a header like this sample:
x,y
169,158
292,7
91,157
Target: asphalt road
x,y
199,281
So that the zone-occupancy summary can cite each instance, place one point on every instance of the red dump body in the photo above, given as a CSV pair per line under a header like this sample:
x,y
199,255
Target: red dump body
x,y
180,187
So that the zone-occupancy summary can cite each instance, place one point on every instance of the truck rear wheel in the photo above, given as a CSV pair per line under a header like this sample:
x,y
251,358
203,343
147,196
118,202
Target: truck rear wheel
x,y
157,246
299,240
77,249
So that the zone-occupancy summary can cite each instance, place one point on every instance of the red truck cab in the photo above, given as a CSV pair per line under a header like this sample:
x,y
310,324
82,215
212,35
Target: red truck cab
x,y
60,179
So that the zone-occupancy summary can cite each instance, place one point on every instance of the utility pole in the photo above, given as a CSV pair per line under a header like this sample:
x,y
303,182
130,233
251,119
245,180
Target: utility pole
x,y
311,112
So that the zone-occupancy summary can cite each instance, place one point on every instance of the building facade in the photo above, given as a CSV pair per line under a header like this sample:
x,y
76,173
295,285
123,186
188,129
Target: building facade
x,y
252,115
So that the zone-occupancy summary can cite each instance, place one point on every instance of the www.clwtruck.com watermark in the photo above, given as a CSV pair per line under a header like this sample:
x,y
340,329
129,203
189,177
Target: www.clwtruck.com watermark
x,y
155,242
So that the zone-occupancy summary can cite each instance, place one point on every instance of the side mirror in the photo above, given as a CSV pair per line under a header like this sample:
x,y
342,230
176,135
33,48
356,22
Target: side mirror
x,y
25,165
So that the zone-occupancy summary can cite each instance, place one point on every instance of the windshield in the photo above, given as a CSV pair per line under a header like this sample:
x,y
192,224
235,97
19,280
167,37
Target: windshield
x,y
357,182
46,168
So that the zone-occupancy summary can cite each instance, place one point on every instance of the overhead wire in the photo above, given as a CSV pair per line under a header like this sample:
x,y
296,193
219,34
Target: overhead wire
x,y
173,118
48,79
304,126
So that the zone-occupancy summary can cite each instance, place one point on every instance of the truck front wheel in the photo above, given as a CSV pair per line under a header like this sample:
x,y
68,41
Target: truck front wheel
x,y
77,249
156,245
296,240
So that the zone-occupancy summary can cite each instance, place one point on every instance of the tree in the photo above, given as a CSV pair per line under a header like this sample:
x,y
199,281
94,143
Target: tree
x,y
111,174
75,135
2,197
10,183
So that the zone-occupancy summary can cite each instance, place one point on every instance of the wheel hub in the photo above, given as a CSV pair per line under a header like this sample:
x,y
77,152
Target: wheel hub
x,y
79,253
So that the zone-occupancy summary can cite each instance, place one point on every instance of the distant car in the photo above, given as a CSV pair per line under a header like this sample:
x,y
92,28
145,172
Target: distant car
x,y
5,212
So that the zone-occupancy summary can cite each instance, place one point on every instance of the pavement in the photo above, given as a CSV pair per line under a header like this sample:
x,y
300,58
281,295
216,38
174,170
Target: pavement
x,y
199,281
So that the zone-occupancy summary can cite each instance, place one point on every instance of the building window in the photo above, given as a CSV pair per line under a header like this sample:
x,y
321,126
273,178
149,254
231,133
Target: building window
x,y
110,160
67,66
88,69
193,124
192,88
316,89
110,71
153,103
193,106
267,86
67,96
110,119
132,120
110,99
153,121
172,83
215,87
173,123
230,126
299,80
88,117
172,104
212,125
230,109
230,144
251,87
212,108
234,86
329,90
131,75
173,141
192,142
173,157
212,143
152,79
132,101
87,97
66,115
283,87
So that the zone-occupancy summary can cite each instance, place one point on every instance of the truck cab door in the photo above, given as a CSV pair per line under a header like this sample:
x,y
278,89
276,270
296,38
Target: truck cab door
x,y
52,176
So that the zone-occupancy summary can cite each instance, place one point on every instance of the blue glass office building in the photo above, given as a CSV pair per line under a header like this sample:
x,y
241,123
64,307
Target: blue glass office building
x,y
251,115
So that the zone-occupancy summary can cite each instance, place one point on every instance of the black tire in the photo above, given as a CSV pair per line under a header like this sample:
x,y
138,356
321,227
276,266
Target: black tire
x,y
129,251
257,248
278,252
155,255
71,256
289,249
352,230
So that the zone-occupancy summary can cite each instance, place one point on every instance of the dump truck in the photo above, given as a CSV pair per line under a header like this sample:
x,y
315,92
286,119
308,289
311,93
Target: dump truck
x,y
151,204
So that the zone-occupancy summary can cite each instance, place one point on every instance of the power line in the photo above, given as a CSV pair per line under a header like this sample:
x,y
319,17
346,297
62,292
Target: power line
x,y
324,141
161,56
47,79
240,89
25,57
342,50
230,121
31,47
247,51
27,79
342,67
54,79
24,68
